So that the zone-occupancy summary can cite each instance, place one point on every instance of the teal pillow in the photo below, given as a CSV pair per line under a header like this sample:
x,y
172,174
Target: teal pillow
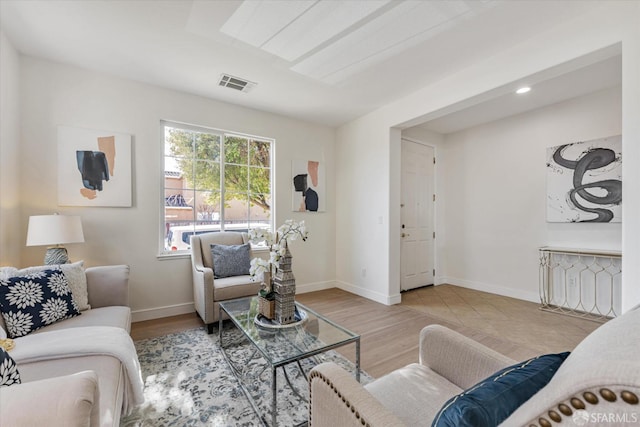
x,y
493,399
231,260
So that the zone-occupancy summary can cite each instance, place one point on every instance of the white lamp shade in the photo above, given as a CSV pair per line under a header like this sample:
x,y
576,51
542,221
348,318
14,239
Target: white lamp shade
x,y
54,230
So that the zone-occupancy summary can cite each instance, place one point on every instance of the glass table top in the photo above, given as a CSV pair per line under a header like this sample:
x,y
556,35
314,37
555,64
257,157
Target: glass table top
x,y
279,346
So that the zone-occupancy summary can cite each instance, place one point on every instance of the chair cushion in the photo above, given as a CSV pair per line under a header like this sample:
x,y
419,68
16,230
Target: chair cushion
x,y
231,260
9,374
413,393
493,399
36,300
234,287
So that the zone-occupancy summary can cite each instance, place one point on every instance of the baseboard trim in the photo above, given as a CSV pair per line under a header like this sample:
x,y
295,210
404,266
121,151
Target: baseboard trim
x,y
316,286
160,312
493,289
367,293
177,309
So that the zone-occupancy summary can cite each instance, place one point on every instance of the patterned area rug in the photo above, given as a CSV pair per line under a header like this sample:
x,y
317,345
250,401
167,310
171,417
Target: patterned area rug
x,y
189,383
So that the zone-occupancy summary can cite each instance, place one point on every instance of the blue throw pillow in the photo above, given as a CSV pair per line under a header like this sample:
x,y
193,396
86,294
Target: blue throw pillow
x,y
493,399
231,260
35,300
8,370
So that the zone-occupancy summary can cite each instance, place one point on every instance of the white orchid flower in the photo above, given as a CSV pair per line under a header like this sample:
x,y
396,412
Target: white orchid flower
x,y
277,243
258,267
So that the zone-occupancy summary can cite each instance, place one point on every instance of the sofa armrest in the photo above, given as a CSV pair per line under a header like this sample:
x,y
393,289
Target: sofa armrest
x,y
108,285
459,359
71,400
337,399
202,287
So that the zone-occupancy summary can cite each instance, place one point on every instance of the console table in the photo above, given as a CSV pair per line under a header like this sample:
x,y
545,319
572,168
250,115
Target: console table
x,y
580,282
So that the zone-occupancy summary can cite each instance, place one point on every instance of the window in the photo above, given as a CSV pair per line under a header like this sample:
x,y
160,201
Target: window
x,y
213,181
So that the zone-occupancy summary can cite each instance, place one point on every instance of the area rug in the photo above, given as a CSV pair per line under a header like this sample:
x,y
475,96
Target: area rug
x,y
189,383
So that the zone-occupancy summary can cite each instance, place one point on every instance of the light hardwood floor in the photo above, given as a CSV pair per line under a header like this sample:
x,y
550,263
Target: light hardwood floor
x,y
389,334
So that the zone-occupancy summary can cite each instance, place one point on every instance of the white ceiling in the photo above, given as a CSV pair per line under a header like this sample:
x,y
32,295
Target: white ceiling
x,y
324,61
599,75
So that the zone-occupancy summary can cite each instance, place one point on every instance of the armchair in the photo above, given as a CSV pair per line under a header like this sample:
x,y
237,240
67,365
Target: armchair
x,y
207,290
601,377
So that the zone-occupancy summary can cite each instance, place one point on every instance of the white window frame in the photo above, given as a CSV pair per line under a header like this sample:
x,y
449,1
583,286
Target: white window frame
x,y
168,253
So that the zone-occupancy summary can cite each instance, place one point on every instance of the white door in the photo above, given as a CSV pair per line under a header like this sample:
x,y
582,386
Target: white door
x,y
417,221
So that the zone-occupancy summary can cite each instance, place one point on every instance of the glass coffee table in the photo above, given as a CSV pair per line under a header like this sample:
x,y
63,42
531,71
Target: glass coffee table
x,y
279,346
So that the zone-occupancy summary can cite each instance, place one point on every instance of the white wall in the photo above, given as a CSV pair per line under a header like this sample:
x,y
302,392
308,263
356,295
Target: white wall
x,y
495,181
10,238
54,94
615,22
362,225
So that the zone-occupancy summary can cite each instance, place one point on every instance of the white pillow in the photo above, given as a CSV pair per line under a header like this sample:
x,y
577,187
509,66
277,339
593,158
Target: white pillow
x,y
75,276
7,272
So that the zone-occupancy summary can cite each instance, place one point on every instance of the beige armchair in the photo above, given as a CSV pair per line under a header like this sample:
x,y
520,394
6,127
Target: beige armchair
x,y
600,378
207,291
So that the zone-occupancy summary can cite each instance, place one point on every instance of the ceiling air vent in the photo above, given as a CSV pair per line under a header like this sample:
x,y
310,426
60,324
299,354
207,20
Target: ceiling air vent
x,y
236,83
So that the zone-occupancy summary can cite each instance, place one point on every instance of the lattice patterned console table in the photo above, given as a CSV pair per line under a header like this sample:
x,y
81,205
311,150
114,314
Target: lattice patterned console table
x,y
581,282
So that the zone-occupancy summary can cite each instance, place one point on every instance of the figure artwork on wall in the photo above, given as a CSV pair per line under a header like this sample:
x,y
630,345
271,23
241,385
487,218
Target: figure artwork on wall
x,y
584,181
308,186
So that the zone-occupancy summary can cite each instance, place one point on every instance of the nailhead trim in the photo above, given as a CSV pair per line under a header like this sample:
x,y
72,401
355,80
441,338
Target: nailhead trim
x,y
630,398
316,374
627,396
608,395
555,416
565,410
577,403
590,397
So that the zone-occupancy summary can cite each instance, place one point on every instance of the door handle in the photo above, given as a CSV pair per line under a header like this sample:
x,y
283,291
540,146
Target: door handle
x,y
404,235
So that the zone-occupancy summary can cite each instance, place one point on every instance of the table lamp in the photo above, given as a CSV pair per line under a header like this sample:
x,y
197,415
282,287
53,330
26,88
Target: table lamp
x,y
54,230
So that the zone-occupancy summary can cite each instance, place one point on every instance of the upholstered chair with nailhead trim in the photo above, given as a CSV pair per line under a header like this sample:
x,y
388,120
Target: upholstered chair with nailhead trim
x,y
598,384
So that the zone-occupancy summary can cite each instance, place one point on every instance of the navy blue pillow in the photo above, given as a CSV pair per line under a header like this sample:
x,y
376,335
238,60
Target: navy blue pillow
x,y
9,374
38,299
493,399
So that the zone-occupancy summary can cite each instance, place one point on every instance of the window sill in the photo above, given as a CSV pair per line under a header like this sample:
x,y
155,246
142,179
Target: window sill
x,y
165,256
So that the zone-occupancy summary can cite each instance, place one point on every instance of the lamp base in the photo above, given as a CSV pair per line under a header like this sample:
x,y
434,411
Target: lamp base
x,y
56,256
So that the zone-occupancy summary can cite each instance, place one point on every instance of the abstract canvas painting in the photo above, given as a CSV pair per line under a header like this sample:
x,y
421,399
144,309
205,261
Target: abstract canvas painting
x,y
94,167
584,181
308,184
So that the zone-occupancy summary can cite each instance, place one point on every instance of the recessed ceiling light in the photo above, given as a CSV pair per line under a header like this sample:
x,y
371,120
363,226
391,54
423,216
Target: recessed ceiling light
x,y
522,90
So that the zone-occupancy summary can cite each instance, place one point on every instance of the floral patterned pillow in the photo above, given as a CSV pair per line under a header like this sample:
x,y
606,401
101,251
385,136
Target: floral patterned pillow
x,y
8,370
75,276
35,300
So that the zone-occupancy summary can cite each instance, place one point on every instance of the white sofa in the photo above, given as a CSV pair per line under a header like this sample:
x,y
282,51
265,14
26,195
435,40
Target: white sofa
x,y
72,371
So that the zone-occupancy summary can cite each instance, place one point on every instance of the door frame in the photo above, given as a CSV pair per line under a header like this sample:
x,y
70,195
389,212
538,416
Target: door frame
x,y
435,209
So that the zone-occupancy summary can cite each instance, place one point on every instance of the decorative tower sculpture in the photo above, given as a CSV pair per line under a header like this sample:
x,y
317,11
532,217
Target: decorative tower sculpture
x,y
284,286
